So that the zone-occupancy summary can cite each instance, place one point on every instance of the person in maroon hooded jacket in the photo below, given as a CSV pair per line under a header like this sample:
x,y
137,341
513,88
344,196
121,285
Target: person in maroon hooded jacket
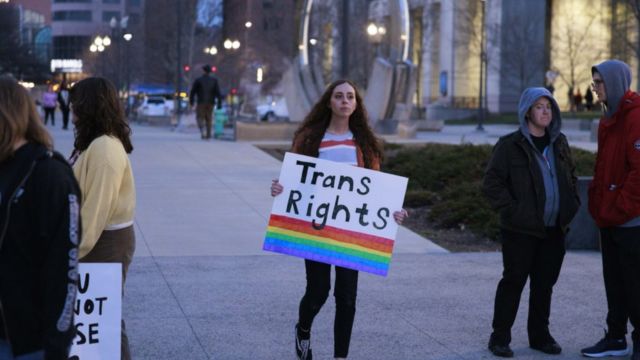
x,y
614,203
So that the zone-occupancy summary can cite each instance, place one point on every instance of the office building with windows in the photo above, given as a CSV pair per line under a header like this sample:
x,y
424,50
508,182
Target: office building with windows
x,y
75,23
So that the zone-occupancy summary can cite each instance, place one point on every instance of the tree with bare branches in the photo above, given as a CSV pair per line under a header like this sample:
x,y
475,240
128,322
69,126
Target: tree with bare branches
x,y
573,45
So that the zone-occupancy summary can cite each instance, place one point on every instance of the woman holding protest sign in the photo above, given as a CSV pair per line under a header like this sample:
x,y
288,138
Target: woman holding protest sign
x,y
336,129
102,167
39,233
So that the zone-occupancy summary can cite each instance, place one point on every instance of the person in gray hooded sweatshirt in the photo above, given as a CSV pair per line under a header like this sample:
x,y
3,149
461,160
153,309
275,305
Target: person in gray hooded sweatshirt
x,y
530,180
614,203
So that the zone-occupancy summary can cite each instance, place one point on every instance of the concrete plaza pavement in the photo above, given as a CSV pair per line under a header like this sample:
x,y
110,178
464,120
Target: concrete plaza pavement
x,y
200,287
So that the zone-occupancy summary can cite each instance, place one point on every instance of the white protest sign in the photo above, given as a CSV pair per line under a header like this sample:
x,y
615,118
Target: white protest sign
x,y
335,213
98,311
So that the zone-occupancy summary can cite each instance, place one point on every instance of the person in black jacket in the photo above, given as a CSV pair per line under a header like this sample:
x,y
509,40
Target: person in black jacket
x,y
530,180
64,100
39,234
206,89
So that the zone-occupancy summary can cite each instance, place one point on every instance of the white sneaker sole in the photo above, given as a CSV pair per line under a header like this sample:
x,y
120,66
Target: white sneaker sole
x,y
608,353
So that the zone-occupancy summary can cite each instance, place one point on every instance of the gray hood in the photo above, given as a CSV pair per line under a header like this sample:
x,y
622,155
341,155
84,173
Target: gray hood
x,y
527,99
617,80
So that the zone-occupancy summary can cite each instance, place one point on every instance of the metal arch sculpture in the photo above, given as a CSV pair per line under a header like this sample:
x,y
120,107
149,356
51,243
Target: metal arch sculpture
x,y
393,73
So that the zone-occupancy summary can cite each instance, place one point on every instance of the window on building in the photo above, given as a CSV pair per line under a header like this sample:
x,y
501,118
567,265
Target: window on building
x,y
70,47
272,24
72,15
111,1
267,4
108,15
71,1
134,19
135,3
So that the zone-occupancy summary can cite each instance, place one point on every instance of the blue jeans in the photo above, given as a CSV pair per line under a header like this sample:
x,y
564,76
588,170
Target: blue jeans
x,y
5,353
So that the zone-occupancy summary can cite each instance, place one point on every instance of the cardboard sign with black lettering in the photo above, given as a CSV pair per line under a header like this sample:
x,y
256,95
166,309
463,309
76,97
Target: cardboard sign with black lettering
x,y
335,213
98,311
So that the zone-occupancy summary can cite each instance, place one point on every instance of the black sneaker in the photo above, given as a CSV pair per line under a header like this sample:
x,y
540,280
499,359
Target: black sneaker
x,y
303,344
608,346
550,347
499,348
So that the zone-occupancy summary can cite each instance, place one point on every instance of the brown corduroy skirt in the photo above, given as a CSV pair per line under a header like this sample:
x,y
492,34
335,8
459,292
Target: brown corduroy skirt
x,y
116,246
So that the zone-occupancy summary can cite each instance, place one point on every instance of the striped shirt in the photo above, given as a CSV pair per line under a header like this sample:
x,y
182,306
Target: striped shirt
x,y
339,148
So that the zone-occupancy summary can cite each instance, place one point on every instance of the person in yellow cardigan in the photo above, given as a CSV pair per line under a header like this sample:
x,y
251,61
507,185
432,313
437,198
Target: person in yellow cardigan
x,y
102,168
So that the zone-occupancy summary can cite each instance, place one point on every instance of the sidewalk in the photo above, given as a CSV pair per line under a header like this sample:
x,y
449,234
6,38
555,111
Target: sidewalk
x,y
200,287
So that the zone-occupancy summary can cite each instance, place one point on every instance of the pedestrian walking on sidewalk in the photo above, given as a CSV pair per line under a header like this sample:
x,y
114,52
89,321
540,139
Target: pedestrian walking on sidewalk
x,y
614,203
39,234
102,167
530,180
206,89
64,100
588,99
336,129
49,99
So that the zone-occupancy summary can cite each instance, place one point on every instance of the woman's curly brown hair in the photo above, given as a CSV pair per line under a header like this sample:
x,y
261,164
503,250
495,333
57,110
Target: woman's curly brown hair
x,y
98,112
311,131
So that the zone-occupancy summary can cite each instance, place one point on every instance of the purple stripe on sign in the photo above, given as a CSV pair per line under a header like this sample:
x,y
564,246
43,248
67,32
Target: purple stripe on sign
x,y
324,259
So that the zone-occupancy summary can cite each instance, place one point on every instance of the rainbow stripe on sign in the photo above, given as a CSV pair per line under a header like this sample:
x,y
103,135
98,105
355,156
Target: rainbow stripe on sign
x,y
330,245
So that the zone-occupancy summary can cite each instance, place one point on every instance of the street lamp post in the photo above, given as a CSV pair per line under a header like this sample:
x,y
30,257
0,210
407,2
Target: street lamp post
x,y
127,37
376,33
117,27
482,96
99,45
178,61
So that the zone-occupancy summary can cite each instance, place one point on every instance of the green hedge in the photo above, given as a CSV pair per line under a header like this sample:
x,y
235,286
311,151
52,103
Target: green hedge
x,y
447,178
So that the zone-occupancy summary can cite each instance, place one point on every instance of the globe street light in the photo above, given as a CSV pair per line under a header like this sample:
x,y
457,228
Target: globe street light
x,y
211,50
235,45
248,24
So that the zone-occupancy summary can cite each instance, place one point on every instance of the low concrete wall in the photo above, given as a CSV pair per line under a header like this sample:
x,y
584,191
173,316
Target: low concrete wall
x,y
251,131
158,120
584,234
430,125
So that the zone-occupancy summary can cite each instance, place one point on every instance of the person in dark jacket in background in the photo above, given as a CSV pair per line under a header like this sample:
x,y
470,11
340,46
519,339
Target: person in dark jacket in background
x,y
64,101
39,235
530,180
588,99
614,203
206,89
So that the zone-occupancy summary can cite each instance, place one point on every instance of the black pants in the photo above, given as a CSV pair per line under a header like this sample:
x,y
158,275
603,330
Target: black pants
x,y
621,269
49,112
318,286
65,118
540,260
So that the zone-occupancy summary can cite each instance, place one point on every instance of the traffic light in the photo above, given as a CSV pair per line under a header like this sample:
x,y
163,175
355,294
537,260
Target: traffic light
x,y
214,69
187,68
234,91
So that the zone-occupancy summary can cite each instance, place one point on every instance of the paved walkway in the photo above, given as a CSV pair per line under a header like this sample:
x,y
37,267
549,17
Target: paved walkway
x,y
200,287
